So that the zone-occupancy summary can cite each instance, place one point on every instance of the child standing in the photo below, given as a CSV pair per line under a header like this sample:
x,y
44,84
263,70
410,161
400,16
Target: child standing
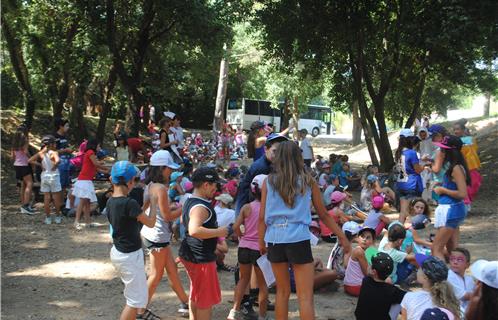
x,y
357,267
306,147
83,188
284,221
126,218
462,285
197,250
50,178
376,219
436,291
24,172
376,296
122,150
249,251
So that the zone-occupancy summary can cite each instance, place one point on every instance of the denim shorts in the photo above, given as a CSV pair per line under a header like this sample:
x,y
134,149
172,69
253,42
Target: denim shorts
x,y
409,194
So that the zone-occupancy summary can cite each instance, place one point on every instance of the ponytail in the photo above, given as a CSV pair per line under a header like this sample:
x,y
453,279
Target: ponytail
x,y
251,143
442,296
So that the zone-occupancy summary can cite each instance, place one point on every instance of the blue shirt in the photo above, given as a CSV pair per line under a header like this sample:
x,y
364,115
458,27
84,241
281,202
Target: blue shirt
x,y
343,178
260,166
284,224
410,180
259,152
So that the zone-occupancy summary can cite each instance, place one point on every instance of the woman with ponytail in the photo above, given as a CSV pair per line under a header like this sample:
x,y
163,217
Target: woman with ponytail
x,y
436,291
257,139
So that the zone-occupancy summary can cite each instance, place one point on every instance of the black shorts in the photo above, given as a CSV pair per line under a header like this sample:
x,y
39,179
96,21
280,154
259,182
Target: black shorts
x,y
248,256
295,253
154,245
22,171
409,194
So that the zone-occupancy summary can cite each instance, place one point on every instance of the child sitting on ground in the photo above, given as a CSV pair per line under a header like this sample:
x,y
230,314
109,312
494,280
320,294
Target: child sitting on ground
x,y
436,291
391,245
332,185
418,227
463,285
357,267
377,297
347,178
372,188
376,219
339,256
175,186
224,213
336,213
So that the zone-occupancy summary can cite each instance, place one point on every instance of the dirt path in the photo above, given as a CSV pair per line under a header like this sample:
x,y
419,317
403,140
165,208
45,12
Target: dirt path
x,y
53,272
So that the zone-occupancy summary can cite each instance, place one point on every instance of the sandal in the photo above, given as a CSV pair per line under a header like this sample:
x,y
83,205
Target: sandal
x,y
148,315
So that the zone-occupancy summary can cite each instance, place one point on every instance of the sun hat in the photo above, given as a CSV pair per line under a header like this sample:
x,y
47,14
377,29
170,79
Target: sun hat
x,y
225,198
258,181
163,158
423,129
169,114
449,142
486,272
123,169
434,268
205,174
273,137
382,263
436,314
378,202
337,196
406,133
175,175
372,178
436,128
352,227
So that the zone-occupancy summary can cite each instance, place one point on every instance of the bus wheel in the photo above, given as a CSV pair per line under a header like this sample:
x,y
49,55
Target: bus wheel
x,y
315,131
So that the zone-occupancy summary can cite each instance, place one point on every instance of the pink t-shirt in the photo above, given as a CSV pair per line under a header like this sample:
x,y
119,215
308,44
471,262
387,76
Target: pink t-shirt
x,y
21,158
250,239
354,276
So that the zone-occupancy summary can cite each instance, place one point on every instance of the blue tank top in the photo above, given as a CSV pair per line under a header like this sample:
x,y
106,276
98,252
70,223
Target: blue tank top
x,y
259,152
446,199
284,224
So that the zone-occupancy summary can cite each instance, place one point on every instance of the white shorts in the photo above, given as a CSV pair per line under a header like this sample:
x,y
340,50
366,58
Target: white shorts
x,y
84,189
50,182
132,272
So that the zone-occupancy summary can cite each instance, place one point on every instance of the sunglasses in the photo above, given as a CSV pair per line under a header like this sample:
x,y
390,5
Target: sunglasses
x,y
457,259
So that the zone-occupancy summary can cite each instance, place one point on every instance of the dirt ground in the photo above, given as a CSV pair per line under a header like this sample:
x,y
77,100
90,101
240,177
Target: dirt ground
x,y
53,272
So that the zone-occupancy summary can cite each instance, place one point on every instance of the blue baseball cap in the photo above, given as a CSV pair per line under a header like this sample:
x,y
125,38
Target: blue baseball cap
x,y
123,169
175,175
436,128
275,138
372,178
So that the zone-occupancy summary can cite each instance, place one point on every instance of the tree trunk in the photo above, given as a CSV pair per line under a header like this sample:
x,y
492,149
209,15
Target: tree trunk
x,y
487,103
356,134
221,94
20,70
106,103
295,118
384,148
76,116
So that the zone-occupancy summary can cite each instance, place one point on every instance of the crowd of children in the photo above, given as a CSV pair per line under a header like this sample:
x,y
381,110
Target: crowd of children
x,y
285,202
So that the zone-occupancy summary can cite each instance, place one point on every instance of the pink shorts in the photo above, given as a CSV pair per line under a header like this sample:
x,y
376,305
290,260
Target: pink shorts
x,y
204,286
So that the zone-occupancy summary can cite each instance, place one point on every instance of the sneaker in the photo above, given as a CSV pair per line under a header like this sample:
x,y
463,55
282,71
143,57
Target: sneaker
x,y
78,226
58,219
48,220
148,315
224,267
27,210
235,315
183,309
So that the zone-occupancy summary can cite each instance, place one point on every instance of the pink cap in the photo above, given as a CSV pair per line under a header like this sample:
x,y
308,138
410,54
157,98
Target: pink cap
x,y
378,202
188,186
337,196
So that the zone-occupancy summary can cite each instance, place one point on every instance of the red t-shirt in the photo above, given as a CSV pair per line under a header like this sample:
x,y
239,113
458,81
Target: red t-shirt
x,y
88,169
135,144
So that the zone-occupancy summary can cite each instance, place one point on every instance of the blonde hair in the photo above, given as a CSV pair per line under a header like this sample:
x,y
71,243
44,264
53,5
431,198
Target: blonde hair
x,y
289,177
443,296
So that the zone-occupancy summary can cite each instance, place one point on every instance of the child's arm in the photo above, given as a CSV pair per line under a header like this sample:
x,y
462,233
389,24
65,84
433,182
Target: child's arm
x,y
261,223
179,189
198,215
98,164
411,259
418,240
55,159
240,219
403,314
149,220
385,219
459,176
359,255
34,159
222,246
316,197
163,202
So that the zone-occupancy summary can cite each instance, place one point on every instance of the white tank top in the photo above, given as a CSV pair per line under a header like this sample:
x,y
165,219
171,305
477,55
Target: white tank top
x,y
47,164
161,232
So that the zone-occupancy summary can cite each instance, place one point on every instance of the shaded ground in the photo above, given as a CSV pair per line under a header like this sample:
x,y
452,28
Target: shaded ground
x,y
53,272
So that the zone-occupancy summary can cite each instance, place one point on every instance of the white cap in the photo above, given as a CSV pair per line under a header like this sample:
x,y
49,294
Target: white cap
x,y
163,158
258,181
225,198
169,114
486,272
406,133
352,227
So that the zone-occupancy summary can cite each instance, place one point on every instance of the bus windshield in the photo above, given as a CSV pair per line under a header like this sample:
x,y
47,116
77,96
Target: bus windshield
x,y
315,113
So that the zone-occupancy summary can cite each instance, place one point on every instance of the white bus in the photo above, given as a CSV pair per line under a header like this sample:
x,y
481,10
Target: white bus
x,y
316,120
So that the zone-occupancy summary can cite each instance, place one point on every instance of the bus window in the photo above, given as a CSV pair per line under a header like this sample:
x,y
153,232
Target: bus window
x,y
265,109
251,107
